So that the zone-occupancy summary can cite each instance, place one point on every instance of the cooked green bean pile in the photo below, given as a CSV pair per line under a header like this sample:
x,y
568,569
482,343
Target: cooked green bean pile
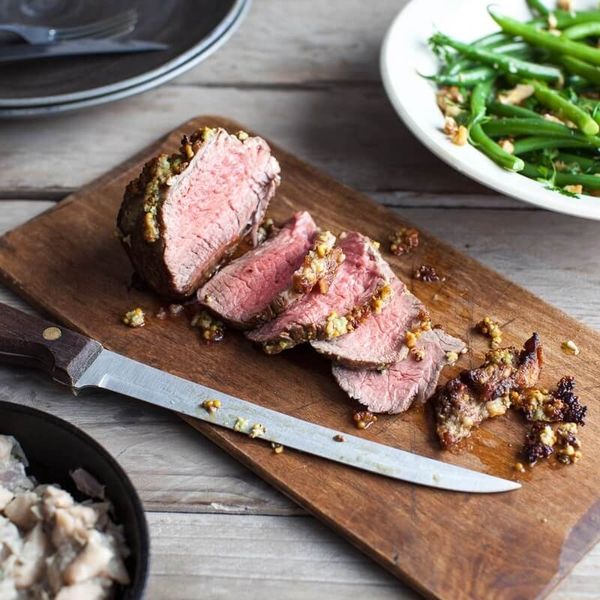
x,y
528,96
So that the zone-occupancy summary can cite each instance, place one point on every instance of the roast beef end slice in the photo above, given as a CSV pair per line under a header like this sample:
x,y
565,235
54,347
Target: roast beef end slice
x,y
177,226
411,379
244,292
485,392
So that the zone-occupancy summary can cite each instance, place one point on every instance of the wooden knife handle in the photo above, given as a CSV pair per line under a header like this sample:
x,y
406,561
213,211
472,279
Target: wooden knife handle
x,y
30,341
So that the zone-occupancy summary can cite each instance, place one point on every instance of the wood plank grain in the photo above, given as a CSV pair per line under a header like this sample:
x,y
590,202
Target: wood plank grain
x,y
314,43
285,558
84,282
289,558
359,139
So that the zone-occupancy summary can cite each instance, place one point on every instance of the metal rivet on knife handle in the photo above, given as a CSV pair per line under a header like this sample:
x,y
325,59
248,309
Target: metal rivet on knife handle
x,y
51,333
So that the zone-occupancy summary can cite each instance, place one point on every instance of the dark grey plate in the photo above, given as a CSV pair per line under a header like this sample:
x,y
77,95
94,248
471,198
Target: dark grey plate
x,y
192,28
45,110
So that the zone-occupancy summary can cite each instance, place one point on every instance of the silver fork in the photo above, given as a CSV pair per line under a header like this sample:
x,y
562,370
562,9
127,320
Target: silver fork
x,y
114,26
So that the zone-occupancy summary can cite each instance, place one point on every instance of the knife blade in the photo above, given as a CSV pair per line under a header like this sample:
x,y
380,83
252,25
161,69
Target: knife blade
x,y
22,52
81,363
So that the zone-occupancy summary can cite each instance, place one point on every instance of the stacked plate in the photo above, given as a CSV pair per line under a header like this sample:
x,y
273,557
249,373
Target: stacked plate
x,y
192,29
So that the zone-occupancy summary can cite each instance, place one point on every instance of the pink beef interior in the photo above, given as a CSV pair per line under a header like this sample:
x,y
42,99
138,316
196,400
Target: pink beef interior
x,y
248,285
356,280
380,339
213,202
395,389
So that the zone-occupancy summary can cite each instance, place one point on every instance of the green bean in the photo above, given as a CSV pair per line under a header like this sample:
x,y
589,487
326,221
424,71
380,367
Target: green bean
x,y
533,143
557,103
516,49
511,110
561,179
588,165
479,100
582,30
501,62
574,65
465,78
538,8
478,137
565,18
544,39
537,127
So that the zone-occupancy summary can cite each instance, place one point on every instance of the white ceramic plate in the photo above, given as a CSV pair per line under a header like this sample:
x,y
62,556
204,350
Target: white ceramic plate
x,y
405,54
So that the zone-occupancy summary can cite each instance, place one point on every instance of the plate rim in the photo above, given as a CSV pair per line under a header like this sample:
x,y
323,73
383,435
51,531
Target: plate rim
x,y
238,10
494,177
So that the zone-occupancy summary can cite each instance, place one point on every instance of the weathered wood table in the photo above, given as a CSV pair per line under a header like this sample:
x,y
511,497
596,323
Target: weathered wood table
x,y
303,72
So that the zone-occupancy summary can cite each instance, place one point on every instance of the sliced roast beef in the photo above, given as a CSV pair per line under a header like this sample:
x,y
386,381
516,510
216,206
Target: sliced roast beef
x,y
359,287
380,341
413,378
186,211
478,394
248,290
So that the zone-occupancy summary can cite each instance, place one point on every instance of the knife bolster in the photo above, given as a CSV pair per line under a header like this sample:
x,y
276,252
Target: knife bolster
x,y
30,341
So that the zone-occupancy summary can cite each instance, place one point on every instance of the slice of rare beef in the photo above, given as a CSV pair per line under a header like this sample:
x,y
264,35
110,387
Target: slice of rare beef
x,y
359,287
248,290
380,341
478,394
187,211
415,377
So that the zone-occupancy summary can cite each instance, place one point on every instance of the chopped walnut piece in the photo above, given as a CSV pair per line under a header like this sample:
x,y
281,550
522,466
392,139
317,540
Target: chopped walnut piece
x,y
240,424
449,100
450,126
491,329
570,347
320,264
336,325
574,189
461,136
507,146
539,443
257,430
404,240
211,406
277,448
516,95
339,438
451,357
363,419
265,230
427,273
418,354
567,444
211,330
134,318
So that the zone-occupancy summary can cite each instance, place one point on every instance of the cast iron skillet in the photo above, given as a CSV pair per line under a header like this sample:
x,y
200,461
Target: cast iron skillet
x,y
55,447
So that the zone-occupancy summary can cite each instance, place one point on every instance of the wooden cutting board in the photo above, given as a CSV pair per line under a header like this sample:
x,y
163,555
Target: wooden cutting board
x,y
69,263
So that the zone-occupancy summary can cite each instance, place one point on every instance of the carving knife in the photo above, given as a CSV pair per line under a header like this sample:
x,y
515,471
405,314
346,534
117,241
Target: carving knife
x,y
80,362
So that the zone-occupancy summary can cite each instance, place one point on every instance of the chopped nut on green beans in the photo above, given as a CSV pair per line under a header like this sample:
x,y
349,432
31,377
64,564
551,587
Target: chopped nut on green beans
x,y
528,95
